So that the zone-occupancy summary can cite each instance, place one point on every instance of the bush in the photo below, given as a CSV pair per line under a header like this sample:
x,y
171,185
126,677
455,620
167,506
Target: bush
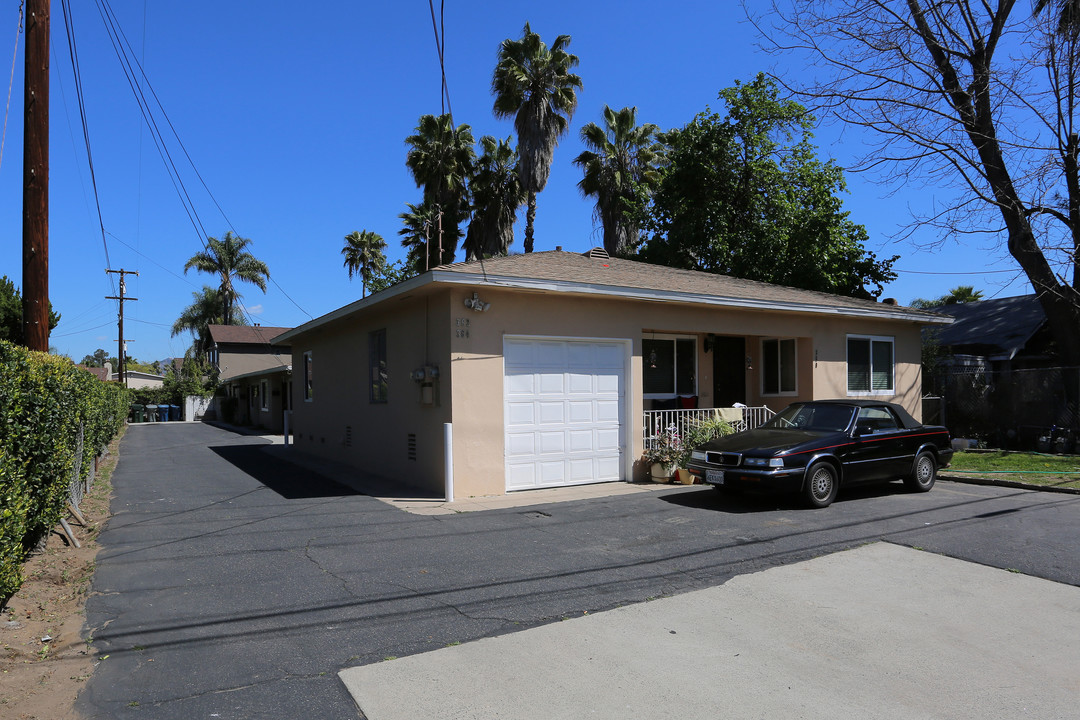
x,y
44,402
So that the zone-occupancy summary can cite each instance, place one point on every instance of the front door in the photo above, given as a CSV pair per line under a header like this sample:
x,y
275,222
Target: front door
x,y
729,370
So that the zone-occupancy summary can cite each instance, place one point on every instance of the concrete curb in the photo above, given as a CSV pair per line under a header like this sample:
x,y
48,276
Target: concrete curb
x,y
1007,483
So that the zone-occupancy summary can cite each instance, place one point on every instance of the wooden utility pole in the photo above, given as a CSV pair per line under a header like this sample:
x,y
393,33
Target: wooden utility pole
x,y
121,360
36,177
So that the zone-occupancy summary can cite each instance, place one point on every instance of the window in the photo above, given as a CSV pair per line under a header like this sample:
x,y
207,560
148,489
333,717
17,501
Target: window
x,y
377,366
778,372
669,366
877,420
870,365
264,395
309,393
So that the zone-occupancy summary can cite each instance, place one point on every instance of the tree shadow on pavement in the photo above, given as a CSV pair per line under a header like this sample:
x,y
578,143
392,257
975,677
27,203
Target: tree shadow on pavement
x,y
290,481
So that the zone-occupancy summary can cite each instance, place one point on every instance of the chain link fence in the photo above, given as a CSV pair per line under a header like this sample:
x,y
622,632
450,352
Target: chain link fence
x,y
1037,409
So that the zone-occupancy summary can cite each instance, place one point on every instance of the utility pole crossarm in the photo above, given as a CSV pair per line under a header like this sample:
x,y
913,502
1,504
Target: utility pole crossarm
x,y
121,361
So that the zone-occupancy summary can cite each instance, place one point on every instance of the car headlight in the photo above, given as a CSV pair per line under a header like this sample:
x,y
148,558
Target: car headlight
x,y
698,455
763,462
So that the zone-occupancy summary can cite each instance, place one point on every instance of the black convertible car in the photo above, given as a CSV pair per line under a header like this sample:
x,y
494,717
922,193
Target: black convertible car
x,y
815,447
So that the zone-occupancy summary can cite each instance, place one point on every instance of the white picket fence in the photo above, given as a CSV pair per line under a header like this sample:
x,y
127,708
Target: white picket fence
x,y
655,422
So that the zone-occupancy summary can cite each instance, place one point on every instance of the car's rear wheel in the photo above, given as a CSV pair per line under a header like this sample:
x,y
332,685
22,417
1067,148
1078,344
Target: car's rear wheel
x,y
821,485
923,472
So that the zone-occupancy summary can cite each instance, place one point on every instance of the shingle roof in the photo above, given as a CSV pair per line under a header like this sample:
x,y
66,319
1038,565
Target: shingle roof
x,y
250,334
1002,324
595,269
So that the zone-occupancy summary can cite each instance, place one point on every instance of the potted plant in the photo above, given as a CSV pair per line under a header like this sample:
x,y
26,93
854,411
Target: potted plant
x,y
664,454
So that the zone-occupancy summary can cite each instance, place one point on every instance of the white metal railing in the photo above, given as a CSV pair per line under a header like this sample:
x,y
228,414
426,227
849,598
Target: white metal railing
x,y
655,422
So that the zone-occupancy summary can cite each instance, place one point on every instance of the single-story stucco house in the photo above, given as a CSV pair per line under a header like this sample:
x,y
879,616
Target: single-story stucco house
x,y
545,365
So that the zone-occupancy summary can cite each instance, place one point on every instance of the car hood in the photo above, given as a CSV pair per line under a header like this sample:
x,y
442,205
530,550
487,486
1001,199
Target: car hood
x,y
767,440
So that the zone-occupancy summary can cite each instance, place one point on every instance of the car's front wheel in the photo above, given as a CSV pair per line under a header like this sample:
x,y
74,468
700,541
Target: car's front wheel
x,y
923,472
821,485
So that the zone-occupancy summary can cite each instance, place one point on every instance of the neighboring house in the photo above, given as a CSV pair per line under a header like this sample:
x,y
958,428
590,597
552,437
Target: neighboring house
x,y
253,372
1001,334
544,365
134,378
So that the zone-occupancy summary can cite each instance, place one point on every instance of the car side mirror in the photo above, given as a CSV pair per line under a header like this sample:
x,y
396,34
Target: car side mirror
x,y
864,430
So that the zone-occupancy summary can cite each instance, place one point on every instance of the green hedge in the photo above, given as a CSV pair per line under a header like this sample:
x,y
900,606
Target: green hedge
x,y
44,400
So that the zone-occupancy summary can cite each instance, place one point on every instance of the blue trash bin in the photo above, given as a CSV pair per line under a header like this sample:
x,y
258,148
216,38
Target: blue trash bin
x,y
174,412
151,413
163,413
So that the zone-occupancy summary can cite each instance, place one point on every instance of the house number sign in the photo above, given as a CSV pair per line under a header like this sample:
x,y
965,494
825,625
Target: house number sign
x,y
461,330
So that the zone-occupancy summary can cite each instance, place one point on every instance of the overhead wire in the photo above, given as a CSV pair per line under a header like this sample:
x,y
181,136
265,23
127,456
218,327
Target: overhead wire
x,y
11,82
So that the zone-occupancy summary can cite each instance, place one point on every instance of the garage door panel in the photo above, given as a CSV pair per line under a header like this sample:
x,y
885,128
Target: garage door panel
x,y
520,413
551,413
551,383
565,412
607,411
520,444
520,383
552,443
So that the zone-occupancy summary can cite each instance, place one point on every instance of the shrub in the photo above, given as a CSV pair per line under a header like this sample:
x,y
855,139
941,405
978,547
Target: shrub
x,y
44,402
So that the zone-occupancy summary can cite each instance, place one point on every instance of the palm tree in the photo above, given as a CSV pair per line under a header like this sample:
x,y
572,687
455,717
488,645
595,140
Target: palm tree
x,y
420,227
205,310
533,84
441,160
963,294
228,259
497,194
364,256
620,169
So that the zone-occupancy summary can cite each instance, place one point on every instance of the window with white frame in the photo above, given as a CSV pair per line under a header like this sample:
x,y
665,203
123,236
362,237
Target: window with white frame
x,y
778,369
309,392
669,366
870,365
264,396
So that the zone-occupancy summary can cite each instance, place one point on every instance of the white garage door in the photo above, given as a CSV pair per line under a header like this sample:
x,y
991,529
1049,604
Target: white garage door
x,y
564,412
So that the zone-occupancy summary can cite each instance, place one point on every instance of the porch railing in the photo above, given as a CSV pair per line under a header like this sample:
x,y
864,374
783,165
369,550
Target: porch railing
x,y
655,422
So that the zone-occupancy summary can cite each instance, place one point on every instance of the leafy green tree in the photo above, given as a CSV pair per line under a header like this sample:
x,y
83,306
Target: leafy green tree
x,y
441,159
364,255
391,274
205,310
620,171
532,83
496,191
11,313
744,194
230,260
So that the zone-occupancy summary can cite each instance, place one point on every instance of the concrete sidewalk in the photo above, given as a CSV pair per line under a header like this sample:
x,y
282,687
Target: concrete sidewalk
x,y
881,631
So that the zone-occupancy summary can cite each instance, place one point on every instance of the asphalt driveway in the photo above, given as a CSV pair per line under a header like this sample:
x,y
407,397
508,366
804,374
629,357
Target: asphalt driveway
x,y
234,585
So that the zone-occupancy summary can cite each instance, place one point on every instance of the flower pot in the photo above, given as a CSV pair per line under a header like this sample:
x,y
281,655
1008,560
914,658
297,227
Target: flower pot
x,y
662,473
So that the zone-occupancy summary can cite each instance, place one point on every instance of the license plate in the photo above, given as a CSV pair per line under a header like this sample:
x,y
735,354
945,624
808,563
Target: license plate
x,y
714,477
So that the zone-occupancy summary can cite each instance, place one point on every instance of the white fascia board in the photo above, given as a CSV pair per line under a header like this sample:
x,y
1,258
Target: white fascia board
x,y
669,296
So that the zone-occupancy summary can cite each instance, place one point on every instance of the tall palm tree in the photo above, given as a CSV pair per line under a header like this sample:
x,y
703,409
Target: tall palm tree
x,y
364,256
229,259
441,159
497,194
620,169
533,84
420,228
204,310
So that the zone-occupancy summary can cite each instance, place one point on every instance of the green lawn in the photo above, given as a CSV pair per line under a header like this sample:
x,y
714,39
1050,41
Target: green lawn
x,y
1032,468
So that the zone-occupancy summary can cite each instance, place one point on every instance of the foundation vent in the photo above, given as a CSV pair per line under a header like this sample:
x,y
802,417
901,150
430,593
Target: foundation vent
x,y
411,452
348,436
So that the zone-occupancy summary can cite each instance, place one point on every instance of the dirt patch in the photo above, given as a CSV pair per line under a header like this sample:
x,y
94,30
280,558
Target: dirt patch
x,y
46,657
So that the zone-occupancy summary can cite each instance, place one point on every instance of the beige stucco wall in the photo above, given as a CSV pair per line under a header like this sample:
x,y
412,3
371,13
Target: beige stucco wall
x,y
378,444
467,347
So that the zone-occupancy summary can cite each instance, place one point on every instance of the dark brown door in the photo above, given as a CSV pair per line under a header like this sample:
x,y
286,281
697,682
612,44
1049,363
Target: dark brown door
x,y
729,370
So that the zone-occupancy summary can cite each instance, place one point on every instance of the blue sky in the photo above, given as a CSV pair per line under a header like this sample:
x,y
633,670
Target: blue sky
x,y
295,117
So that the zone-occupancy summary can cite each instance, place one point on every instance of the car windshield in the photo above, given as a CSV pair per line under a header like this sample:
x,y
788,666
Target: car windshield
x,y
820,418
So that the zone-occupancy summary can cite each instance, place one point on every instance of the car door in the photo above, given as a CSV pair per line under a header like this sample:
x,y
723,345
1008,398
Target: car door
x,y
877,452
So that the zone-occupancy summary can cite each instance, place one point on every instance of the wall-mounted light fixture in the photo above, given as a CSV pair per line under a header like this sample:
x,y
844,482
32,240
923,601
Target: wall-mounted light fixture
x,y
475,303
749,363
710,342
